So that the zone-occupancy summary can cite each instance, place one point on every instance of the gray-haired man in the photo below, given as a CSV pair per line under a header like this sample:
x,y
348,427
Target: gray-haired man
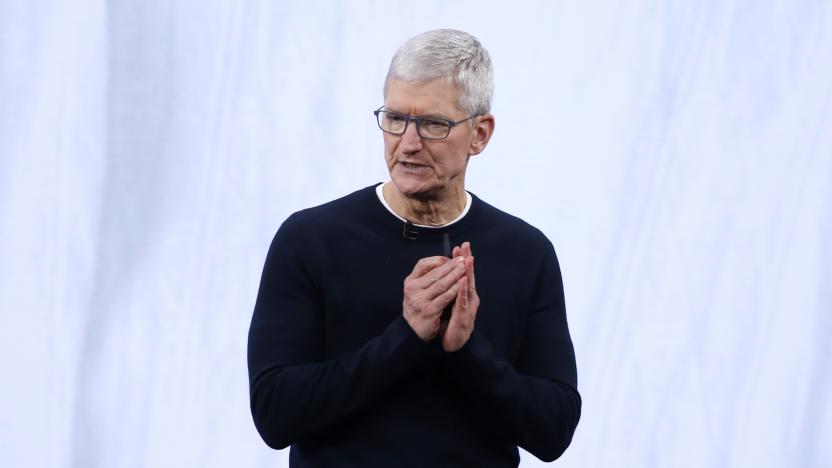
x,y
373,341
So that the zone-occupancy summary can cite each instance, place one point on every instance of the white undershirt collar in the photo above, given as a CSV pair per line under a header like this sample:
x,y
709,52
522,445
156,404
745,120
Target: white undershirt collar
x,y
380,193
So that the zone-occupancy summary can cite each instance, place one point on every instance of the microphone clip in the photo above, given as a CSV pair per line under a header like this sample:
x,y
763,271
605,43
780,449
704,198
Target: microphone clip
x,y
409,231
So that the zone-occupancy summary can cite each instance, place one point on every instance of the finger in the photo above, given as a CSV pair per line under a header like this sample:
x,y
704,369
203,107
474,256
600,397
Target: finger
x,y
464,313
443,299
466,249
456,252
461,318
427,264
462,297
432,276
469,272
446,282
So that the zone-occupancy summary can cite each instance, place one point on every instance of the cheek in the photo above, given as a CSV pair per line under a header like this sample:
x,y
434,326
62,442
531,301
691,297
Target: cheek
x,y
389,149
455,156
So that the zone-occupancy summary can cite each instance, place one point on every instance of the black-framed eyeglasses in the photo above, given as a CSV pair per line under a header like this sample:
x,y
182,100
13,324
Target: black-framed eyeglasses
x,y
429,128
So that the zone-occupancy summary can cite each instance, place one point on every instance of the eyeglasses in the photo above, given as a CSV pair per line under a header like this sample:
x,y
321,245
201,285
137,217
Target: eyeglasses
x,y
429,128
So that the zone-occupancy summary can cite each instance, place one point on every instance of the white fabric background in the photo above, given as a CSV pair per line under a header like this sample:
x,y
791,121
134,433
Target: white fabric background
x,y
678,154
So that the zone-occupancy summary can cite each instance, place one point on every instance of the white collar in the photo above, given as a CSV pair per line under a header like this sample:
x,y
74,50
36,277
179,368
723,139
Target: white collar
x,y
380,193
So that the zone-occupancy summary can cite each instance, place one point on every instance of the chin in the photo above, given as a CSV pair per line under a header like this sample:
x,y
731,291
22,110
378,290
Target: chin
x,y
413,189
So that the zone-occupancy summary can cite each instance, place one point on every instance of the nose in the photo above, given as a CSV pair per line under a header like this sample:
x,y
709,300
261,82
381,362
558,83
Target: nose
x,y
410,142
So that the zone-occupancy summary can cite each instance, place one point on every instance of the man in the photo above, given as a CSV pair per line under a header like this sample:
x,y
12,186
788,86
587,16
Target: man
x,y
373,343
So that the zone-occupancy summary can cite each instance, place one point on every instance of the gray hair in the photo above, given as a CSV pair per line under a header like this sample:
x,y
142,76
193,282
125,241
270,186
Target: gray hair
x,y
452,55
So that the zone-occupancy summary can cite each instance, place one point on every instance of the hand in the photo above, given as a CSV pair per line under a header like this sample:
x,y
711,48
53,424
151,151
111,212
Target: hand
x,y
429,288
464,312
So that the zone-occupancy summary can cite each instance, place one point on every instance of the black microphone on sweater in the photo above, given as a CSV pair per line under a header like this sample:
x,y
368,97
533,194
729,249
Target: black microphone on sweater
x,y
409,231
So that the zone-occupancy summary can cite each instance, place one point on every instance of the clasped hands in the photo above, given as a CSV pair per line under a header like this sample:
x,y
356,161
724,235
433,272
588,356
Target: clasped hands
x,y
433,284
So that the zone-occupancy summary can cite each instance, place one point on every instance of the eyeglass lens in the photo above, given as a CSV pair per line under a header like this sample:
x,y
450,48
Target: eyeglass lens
x,y
395,123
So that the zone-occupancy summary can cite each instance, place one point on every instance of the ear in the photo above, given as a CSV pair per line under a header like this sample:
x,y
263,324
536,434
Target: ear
x,y
482,134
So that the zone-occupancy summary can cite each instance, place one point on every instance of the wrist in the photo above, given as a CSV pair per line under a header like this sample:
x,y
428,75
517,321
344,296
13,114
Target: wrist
x,y
425,331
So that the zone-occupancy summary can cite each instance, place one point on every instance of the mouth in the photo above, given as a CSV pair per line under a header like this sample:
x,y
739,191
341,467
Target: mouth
x,y
412,166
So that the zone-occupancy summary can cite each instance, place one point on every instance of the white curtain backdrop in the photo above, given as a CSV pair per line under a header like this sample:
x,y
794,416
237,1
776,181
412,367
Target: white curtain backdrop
x,y
677,153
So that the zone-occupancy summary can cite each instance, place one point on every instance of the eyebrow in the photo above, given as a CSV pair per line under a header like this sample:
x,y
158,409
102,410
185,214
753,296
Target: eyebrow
x,y
422,116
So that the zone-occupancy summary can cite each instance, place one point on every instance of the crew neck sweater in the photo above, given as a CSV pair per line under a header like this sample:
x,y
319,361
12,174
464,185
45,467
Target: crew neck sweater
x,y
336,372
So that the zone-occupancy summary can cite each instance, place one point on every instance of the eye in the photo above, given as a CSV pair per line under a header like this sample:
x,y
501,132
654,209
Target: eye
x,y
393,118
434,124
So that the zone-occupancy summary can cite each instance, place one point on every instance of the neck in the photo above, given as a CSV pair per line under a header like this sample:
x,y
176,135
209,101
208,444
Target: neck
x,y
426,211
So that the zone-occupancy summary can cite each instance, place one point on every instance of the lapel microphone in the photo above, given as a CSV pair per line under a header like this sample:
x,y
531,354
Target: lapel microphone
x,y
409,231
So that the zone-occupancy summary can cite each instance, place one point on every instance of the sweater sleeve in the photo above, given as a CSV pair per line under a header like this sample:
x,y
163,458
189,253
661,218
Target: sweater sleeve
x,y
294,391
534,403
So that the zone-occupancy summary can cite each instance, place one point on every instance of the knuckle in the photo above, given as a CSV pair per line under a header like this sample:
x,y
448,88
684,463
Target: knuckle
x,y
445,287
421,306
428,261
443,283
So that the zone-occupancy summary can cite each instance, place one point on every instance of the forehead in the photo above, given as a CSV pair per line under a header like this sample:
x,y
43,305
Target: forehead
x,y
436,97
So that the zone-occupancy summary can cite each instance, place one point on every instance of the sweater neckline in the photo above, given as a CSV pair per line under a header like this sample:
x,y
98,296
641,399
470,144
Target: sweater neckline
x,y
380,194
392,222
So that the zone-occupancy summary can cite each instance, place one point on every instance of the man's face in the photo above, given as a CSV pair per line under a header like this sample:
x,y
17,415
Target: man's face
x,y
428,169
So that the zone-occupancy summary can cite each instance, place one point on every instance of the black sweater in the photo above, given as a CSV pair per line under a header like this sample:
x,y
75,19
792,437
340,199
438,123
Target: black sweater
x,y
336,371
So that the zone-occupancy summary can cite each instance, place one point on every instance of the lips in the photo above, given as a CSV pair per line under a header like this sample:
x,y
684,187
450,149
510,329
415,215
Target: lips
x,y
412,166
